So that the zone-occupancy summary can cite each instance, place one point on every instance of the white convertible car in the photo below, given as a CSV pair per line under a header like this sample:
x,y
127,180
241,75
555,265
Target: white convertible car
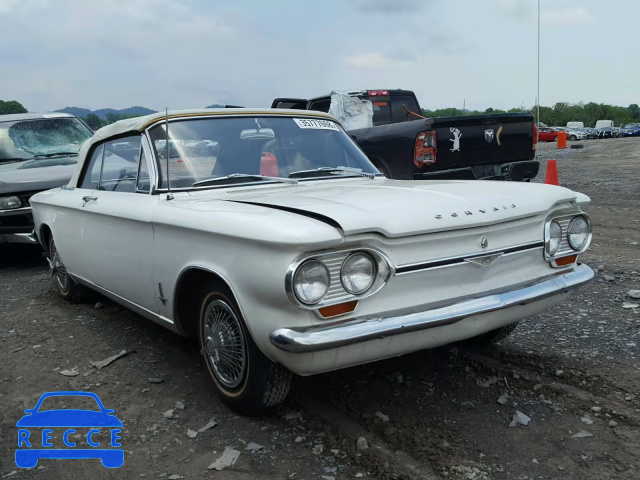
x,y
270,236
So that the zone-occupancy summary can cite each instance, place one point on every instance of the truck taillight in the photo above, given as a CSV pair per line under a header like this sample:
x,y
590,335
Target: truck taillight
x,y
535,137
378,93
426,149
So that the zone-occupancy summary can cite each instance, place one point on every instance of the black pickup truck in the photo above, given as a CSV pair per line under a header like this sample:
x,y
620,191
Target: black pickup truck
x,y
405,146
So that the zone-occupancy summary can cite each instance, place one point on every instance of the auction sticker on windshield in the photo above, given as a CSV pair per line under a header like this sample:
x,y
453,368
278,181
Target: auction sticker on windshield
x,y
316,124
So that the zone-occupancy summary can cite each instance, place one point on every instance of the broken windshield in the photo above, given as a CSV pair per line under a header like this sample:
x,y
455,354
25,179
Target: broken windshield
x,y
42,137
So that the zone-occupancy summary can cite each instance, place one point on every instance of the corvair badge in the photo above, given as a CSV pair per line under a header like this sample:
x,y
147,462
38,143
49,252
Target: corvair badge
x,y
481,210
485,260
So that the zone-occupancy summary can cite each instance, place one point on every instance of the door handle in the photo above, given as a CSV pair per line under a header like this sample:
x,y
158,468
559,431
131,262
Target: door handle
x,y
87,199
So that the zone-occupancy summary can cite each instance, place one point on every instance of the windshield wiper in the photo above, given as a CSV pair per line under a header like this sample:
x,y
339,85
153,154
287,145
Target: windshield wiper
x,y
242,176
322,171
48,155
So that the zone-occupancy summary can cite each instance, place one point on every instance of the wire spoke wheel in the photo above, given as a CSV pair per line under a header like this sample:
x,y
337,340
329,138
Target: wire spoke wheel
x,y
58,269
224,344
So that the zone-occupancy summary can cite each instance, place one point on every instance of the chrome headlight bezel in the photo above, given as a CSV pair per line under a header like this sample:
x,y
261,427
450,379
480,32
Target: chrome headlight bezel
x,y
4,202
343,275
549,238
311,263
587,239
334,261
565,249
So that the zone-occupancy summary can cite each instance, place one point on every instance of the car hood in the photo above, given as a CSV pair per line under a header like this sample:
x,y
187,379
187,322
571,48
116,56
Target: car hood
x,y
401,208
41,174
69,418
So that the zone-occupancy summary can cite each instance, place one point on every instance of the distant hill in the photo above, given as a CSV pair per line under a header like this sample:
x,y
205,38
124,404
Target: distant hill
x,y
103,112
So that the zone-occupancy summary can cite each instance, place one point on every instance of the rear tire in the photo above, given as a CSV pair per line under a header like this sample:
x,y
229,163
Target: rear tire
x,y
244,377
573,138
66,286
555,139
493,336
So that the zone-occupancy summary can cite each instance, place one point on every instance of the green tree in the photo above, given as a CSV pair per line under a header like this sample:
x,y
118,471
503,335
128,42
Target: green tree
x,y
634,111
11,106
93,121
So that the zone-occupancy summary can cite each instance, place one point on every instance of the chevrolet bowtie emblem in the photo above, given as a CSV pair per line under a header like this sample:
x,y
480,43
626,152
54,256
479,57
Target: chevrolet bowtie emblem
x,y
484,260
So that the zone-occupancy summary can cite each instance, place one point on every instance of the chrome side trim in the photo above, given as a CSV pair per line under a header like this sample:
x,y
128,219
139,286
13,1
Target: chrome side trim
x,y
356,330
24,238
14,211
154,317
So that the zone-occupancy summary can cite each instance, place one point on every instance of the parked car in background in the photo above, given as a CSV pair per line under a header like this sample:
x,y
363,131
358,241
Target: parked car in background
x,y
575,125
37,152
604,124
406,147
591,133
617,132
606,132
547,134
322,265
631,130
576,134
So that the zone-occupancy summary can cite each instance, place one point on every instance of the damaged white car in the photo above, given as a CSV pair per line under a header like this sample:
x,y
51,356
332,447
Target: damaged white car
x,y
281,247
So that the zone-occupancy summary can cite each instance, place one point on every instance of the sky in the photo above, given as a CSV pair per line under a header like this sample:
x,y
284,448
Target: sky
x,y
193,53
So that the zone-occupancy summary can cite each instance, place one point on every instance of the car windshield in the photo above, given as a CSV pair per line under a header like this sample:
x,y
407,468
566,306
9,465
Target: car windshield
x,y
631,125
242,149
41,138
66,402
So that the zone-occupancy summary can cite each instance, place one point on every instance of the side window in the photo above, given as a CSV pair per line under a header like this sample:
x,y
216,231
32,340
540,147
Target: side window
x,y
92,173
321,105
120,165
144,179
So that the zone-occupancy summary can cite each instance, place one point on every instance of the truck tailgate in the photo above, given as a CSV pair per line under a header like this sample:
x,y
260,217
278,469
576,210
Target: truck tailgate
x,y
477,140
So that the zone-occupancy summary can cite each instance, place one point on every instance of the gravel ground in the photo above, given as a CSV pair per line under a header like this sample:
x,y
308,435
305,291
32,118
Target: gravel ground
x,y
571,375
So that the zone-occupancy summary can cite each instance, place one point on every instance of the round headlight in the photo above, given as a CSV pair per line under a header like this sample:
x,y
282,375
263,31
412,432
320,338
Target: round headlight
x,y
311,282
358,273
8,203
555,237
578,233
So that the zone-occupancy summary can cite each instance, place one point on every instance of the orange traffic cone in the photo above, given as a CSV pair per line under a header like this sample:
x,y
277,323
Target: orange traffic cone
x,y
551,177
562,139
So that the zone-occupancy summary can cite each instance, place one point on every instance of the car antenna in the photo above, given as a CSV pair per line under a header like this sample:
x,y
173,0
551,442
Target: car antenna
x,y
166,146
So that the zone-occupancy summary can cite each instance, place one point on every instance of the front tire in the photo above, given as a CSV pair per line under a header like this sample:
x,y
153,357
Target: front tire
x,y
493,336
66,286
244,377
573,138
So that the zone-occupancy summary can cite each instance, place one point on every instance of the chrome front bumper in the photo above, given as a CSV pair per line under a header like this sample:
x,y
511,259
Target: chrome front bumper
x,y
356,330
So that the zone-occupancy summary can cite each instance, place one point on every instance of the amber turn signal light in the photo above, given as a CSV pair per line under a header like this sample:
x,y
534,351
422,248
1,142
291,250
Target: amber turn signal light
x,y
561,262
339,309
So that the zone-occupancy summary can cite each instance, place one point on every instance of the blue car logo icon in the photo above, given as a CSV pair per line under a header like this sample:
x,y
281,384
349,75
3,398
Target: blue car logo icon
x,y
40,428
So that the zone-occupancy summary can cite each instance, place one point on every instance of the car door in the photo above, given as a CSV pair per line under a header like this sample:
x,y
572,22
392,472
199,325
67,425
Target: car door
x,y
118,233
70,216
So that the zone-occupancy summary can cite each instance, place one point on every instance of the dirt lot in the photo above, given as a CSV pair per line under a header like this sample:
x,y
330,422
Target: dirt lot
x,y
437,414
